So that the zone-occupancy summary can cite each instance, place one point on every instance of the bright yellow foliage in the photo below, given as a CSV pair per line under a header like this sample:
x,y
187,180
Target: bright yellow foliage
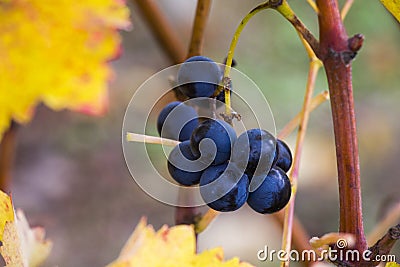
x,y
21,245
6,212
393,6
57,52
392,264
169,247
24,246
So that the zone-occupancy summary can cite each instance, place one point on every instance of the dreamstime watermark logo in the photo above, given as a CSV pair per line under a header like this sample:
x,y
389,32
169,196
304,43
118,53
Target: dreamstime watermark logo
x,y
147,164
340,253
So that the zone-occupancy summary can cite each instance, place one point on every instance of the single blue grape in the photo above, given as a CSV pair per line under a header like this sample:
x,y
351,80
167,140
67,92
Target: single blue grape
x,y
253,151
199,79
273,194
213,132
177,121
229,191
283,156
182,165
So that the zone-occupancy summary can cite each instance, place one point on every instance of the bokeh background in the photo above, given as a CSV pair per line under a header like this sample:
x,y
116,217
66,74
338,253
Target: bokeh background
x,y
71,177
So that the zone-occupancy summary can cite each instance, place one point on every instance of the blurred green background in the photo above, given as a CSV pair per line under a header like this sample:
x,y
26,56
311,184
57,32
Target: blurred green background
x,y
71,177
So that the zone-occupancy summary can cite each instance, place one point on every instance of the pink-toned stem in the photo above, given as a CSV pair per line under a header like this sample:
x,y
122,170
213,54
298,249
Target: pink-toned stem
x,y
333,50
289,211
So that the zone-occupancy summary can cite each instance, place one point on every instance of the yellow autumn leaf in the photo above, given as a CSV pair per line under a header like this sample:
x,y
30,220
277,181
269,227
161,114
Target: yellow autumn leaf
x,y
393,6
392,264
169,247
6,212
24,246
11,247
214,258
57,52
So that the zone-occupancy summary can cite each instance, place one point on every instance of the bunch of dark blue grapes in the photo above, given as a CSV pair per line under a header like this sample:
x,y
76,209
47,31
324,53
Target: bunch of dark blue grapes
x,y
230,170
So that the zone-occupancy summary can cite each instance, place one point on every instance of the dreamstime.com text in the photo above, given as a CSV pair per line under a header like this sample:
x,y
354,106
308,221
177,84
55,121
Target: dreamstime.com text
x,y
328,254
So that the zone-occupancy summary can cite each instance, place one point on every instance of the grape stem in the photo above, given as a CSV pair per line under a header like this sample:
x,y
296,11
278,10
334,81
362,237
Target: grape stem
x,y
293,123
313,5
315,65
300,237
285,10
345,9
226,80
142,138
392,217
237,33
384,245
282,7
205,220
199,26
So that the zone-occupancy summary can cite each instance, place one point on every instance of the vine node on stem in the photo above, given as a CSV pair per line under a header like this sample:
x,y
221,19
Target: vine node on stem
x,y
384,245
354,44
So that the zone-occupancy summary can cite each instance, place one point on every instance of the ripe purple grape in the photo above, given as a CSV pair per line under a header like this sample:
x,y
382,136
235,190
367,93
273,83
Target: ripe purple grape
x,y
199,76
273,193
254,151
283,156
183,166
214,133
223,187
177,121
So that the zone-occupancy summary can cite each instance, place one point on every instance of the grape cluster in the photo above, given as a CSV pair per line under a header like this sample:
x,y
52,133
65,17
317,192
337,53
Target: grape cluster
x,y
210,154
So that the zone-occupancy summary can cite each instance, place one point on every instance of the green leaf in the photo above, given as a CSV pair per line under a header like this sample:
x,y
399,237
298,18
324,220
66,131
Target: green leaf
x,y
393,6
